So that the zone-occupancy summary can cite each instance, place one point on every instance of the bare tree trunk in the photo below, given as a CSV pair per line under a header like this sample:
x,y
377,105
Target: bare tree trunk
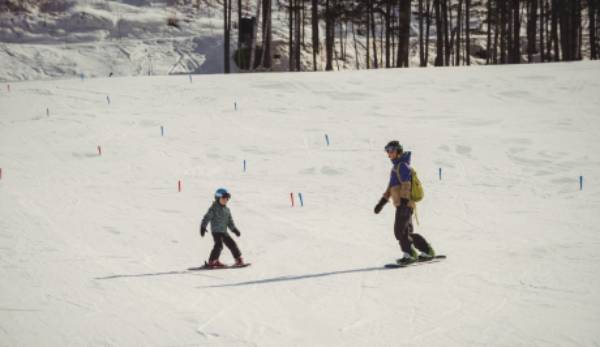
x,y
579,21
267,38
388,28
439,59
447,46
503,32
254,30
498,30
428,11
342,40
381,34
355,47
315,31
592,28
375,60
566,29
489,33
329,36
531,28
421,43
345,39
368,58
542,29
291,54
226,32
548,21
458,29
395,24
452,34
298,49
468,31
516,56
239,45
404,33
555,30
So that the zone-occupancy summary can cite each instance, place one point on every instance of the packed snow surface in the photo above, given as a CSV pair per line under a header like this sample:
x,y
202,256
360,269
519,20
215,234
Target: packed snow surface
x,y
94,248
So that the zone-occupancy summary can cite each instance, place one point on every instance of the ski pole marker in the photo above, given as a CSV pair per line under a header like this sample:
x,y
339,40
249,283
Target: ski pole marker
x,y
162,131
292,198
99,150
440,173
327,139
301,200
580,182
179,186
244,165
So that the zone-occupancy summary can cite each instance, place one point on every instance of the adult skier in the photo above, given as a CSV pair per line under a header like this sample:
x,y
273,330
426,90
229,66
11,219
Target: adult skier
x,y
219,217
399,189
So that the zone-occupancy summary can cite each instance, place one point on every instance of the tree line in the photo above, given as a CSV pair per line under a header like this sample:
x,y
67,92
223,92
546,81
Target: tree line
x,y
454,31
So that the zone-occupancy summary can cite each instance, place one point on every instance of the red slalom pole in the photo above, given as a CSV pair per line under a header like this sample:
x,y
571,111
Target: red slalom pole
x,y
292,198
179,186
0,173
99,150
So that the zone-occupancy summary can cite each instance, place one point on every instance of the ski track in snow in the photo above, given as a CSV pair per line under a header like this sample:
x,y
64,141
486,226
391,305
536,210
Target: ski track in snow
x,y
94,249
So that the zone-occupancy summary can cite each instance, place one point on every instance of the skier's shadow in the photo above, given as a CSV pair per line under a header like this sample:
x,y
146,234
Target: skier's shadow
x,y
297,277
152,274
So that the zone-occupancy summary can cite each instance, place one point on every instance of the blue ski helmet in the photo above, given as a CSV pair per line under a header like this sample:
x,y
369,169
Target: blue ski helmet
x,y
222,193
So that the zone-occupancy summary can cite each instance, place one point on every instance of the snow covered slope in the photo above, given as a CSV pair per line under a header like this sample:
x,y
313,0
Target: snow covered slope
x,y
99,38
94,249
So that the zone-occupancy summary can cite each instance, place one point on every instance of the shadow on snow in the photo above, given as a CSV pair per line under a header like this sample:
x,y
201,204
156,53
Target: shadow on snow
x,y
298,277
152,274
247,283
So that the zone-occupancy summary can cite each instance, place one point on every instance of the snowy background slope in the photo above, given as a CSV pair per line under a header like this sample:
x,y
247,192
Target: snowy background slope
x,y
97,38
93,249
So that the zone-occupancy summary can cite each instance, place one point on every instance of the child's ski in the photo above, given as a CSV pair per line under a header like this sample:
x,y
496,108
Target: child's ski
x,y
418,261
206,267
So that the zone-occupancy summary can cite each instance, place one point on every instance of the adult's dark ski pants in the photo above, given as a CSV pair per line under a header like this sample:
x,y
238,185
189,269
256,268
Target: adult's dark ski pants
x,y
220,239
403,230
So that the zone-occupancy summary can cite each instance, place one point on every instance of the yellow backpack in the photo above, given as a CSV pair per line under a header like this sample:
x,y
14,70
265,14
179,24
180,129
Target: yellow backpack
x,y
416,188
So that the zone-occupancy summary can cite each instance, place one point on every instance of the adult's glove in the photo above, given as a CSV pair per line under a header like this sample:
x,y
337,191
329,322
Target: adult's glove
x,y
236,232
380,205
202,231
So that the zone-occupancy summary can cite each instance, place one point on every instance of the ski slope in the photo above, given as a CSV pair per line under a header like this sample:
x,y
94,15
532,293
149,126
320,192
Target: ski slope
x,y
94,248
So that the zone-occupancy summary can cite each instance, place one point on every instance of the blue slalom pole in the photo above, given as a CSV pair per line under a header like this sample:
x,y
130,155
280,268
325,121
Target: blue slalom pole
x,y
301,200
244,165
108,99
580,182
327,139
440,174
162,130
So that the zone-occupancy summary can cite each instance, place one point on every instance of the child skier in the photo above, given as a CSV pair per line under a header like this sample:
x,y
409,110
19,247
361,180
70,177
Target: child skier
x,y
399,189
220,219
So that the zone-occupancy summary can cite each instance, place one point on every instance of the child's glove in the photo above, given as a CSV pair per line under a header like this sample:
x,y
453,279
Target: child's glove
x,y
380,205
202,231
236,232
